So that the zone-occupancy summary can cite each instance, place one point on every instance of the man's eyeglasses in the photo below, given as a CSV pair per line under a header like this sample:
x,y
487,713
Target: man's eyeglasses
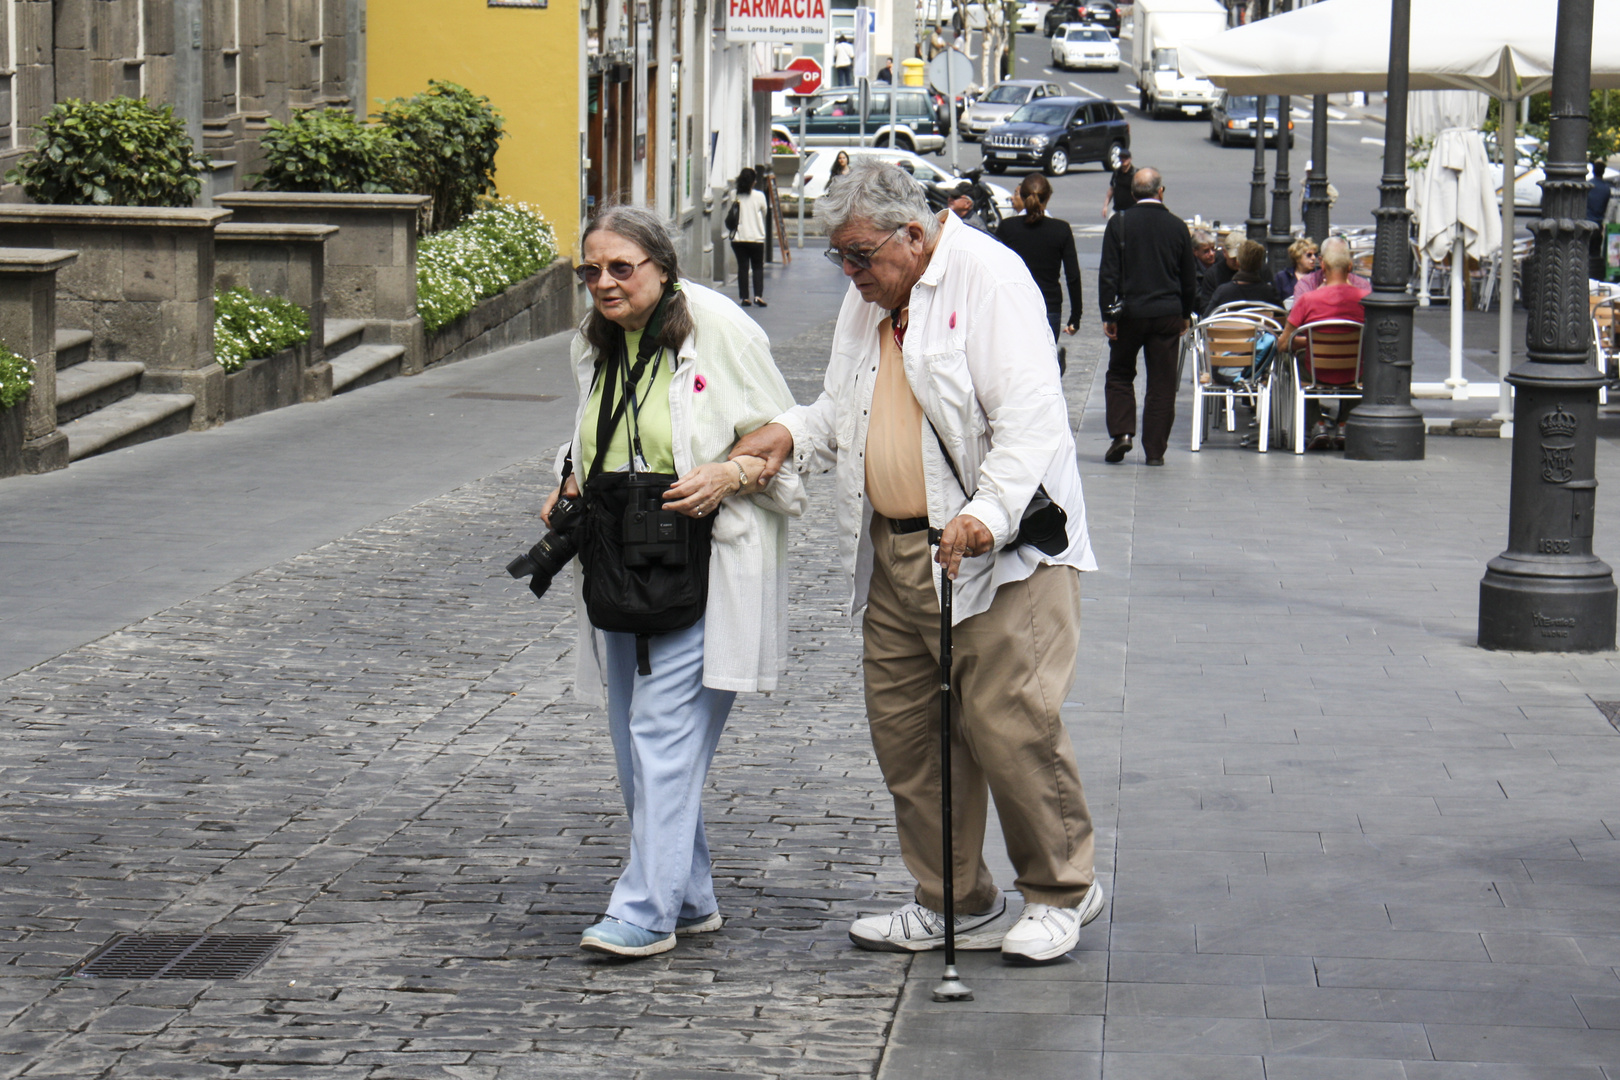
x,y
861,260
590,273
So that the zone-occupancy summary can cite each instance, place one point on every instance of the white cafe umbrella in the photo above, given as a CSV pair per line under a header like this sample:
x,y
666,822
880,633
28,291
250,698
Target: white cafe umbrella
x,y
1453,197
1501,47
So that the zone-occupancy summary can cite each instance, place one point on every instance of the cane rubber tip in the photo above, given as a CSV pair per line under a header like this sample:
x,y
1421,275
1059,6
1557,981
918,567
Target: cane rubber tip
x,y
951,988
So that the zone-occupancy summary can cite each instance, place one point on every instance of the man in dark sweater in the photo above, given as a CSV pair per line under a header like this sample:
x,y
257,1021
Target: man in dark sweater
x,y
1146,290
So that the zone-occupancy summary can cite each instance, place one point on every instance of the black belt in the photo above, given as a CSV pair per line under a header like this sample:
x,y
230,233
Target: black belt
x,y
907,525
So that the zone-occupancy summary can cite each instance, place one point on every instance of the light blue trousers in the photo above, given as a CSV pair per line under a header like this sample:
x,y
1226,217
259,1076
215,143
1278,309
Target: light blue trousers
x,y
665,727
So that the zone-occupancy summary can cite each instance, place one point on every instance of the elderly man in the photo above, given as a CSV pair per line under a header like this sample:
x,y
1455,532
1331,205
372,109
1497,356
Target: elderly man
x,y
1337,297
1146,285
1219,268
942,411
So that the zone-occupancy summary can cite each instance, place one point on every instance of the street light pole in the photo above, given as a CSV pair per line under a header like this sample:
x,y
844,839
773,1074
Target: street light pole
x,y
1282,226
1547,592
1255,227
1316,196
1384,425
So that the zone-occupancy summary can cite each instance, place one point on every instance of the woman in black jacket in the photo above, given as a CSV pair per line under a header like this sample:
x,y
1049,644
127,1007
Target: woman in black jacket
x,y
1249,283
1047,247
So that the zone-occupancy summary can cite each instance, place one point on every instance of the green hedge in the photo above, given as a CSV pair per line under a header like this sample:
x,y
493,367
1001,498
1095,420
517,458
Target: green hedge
x,y
16,377
496,248
440,143
123,152
248,326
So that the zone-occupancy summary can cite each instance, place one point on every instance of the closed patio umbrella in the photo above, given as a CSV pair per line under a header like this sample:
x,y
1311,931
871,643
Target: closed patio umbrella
x,y
1453,197
1501,47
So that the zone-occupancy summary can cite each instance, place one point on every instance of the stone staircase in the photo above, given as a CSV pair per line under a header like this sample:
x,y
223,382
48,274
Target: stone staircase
x,y
100,405
355,363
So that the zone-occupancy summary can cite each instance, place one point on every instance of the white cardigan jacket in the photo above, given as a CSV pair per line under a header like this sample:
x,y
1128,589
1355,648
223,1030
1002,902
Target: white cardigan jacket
x,y
980,358
724,385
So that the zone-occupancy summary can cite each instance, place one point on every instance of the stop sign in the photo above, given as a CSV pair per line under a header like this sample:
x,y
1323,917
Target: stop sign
x,y
812,75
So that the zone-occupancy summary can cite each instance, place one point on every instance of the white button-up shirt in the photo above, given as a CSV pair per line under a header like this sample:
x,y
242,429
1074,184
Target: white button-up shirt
x,y
980,358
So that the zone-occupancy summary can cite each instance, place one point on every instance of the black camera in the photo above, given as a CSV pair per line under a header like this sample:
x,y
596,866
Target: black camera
x,y
547,558
653,536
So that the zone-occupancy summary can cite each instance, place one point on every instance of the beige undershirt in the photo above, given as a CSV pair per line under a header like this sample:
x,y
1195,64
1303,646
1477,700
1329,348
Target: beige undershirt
x,y
894,463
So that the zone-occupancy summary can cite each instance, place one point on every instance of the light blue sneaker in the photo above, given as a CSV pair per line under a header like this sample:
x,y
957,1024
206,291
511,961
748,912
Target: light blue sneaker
x,y
624,939
699,924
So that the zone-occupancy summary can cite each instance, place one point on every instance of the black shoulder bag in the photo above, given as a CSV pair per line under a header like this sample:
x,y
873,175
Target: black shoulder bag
x,y
646,567
1045,524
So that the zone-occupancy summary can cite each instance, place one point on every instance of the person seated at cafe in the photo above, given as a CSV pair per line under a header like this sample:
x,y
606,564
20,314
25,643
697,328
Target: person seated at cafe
x,y
1221,270
1301,261
1338,297
1248,284
1307,283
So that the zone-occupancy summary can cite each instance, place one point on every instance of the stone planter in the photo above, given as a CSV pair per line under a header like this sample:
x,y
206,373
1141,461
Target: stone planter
x,y
272,383
535,307
786,167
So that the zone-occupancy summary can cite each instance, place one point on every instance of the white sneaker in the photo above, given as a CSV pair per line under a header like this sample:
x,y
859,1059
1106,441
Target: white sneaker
x,y
1045,933
914,928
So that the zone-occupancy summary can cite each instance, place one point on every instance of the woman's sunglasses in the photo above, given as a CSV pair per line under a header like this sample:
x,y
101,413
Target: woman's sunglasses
x,y
590,273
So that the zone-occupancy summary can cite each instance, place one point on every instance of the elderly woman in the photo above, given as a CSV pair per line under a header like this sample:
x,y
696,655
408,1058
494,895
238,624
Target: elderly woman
x,y
1301,261
670,374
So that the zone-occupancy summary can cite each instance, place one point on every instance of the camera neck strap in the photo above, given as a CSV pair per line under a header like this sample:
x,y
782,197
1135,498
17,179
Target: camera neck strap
x,y
617,368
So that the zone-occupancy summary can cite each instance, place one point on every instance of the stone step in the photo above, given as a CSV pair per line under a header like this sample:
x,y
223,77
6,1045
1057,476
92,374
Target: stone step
x,y
124,423
343,335
364,365
72,347
94,384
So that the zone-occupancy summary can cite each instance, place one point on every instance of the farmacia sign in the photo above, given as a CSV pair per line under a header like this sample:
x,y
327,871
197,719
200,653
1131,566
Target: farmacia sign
x,y
776,20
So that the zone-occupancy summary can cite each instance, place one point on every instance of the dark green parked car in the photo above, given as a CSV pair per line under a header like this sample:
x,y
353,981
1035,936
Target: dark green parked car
x,y
834,119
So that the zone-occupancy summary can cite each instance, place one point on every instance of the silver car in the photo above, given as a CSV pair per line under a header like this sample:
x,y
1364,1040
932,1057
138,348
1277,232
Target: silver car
x,y
999,104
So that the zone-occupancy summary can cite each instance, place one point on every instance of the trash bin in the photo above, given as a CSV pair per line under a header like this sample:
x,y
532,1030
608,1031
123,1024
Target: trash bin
x,y
913,72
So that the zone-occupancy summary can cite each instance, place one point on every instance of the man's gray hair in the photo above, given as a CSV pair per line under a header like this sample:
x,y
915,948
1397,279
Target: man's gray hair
x,y
1203,238
1336,254
879,193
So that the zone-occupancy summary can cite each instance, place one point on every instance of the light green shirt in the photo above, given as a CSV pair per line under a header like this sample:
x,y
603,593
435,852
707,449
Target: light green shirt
x,y
652,394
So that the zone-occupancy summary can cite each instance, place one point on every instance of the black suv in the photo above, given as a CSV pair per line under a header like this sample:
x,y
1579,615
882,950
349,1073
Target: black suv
x,y
1232,120
1099,12
1056,132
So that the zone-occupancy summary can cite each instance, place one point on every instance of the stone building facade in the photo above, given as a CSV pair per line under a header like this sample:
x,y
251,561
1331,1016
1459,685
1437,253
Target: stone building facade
x,y
227,66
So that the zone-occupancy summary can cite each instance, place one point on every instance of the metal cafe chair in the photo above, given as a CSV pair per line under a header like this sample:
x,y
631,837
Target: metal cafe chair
x,y
1229,368
1331,345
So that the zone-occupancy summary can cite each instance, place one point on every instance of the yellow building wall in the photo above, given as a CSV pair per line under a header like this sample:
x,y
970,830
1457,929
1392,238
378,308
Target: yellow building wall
x,y
525,60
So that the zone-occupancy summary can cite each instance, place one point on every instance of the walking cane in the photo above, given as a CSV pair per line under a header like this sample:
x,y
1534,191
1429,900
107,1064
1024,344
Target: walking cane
x,y
951,987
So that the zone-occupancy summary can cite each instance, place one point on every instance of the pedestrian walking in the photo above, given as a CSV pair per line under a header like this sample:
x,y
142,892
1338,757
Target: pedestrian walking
x,y
1046,245
843,61
936,42
840,166
942,411
670,373
886,74
1597,209
1119,197
748,239
1146,288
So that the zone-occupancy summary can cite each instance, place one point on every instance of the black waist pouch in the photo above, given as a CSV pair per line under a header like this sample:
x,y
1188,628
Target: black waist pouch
x,y
646,568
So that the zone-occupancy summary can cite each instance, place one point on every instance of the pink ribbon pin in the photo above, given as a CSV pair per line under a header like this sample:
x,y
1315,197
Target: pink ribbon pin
x,y
698,384
953,320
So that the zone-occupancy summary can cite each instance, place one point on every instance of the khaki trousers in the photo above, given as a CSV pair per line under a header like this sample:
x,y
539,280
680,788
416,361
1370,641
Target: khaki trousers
x,y
1011,667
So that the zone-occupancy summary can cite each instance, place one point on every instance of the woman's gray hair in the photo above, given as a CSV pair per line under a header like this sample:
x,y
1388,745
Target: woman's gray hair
x,y
877,192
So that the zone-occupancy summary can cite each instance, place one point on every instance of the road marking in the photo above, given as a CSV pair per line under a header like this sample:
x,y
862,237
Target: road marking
x,y
1336,114
1344,123
1084,90
1371,141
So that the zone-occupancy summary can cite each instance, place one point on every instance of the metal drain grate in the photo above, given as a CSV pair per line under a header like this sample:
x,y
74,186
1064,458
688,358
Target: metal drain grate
x,y
479,395
179,956
1610,711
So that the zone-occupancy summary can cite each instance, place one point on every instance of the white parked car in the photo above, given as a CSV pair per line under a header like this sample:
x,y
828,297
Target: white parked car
x,y
1078,45
1032,16
821,161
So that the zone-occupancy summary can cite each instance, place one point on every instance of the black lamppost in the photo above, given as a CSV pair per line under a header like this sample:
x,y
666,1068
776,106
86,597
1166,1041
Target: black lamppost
x,y
1255,227
1384,426
1316,182
1282,226
1547,592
